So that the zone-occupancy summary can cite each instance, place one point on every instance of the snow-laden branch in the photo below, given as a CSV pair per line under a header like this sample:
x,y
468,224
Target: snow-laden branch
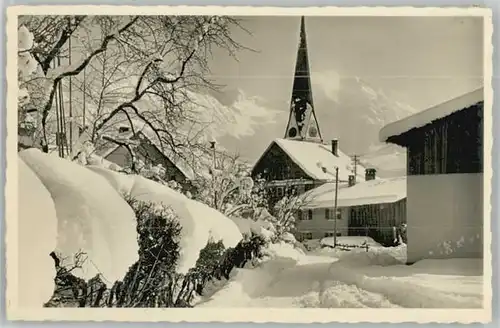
x,y
163,78
65,35
74,70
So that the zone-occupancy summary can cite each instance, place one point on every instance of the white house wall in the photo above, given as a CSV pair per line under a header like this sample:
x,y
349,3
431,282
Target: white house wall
x,y
445,216
318,226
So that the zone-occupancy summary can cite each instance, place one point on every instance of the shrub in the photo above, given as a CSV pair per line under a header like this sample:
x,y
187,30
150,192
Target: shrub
x,y
152,281
146,282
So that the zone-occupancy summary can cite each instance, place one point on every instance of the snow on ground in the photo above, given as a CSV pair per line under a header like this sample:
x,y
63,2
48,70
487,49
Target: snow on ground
x,y
199,221
92,217
37,231
352,279
349,240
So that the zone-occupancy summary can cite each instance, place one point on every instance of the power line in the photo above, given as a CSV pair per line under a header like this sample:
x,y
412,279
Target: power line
x,y
355,160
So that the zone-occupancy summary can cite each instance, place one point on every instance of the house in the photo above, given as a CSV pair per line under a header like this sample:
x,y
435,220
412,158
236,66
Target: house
x,y
301,160
114,149
444,177
374,208
301,165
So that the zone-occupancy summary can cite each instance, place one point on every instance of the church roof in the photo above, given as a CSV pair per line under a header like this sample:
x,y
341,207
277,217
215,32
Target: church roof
x,y
379,191
311,157
302,121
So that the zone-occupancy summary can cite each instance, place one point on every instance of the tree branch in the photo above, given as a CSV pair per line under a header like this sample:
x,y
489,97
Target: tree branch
x,y
65,35
77,71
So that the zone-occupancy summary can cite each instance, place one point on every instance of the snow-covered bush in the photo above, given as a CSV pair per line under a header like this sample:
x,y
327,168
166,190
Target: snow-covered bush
x,y
37,224
149,282
153,281
230,189
145,283
283,214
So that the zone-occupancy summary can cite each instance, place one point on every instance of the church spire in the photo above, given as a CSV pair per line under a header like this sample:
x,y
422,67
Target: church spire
x,y
302,123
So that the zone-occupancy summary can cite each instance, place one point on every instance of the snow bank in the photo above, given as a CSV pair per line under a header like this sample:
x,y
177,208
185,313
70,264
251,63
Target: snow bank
x,y
199,222
350,240
382,256
37,224
284,250
376,254
244,285
92,217
323,282
410,288
259,227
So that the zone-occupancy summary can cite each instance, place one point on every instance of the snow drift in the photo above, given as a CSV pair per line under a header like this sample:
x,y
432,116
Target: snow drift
x,y
37,231
328,282
92,217
199,222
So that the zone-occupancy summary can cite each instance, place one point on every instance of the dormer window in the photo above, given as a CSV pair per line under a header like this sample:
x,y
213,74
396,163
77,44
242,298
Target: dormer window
x,y
123,129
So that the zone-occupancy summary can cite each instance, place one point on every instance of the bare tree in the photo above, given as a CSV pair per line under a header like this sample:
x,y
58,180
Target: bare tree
x,y
147,69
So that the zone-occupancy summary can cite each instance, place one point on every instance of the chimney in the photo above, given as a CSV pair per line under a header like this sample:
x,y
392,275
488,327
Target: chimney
x,y
370,174
352,180
335,147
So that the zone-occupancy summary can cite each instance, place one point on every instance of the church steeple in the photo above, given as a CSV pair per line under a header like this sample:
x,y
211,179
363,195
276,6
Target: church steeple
x,y
302,123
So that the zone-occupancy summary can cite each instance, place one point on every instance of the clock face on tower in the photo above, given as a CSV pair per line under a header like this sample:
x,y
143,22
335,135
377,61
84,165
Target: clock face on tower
x,y
292,133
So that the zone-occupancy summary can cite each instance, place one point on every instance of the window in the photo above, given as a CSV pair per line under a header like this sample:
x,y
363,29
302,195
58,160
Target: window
x,y
307,236
331,234
329,216
309,214
123,129
299,215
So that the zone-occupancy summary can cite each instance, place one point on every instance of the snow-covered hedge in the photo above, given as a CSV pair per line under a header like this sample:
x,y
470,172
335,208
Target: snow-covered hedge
x,y
93,226
91,216
199,222
37,237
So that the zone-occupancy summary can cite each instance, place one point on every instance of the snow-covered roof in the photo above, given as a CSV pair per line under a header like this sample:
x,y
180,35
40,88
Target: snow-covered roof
x,y
104,152
312,157
429,115
376,191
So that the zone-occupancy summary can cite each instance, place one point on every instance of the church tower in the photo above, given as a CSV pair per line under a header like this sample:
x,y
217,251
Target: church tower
x,y
302,122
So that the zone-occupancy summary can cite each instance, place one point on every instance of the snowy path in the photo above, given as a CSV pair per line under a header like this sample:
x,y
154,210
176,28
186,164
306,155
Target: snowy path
x,y
309,285
320,282
303,285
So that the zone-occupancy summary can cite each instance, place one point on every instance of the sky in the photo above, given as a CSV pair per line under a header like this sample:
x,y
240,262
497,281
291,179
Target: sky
x,y
416,61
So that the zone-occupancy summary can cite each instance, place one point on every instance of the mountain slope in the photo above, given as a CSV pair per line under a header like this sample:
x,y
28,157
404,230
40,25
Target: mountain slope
x,y
354,112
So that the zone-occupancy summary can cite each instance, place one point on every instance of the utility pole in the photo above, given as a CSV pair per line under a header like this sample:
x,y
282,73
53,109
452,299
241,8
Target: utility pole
x,y
212,145
70,150
335,207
